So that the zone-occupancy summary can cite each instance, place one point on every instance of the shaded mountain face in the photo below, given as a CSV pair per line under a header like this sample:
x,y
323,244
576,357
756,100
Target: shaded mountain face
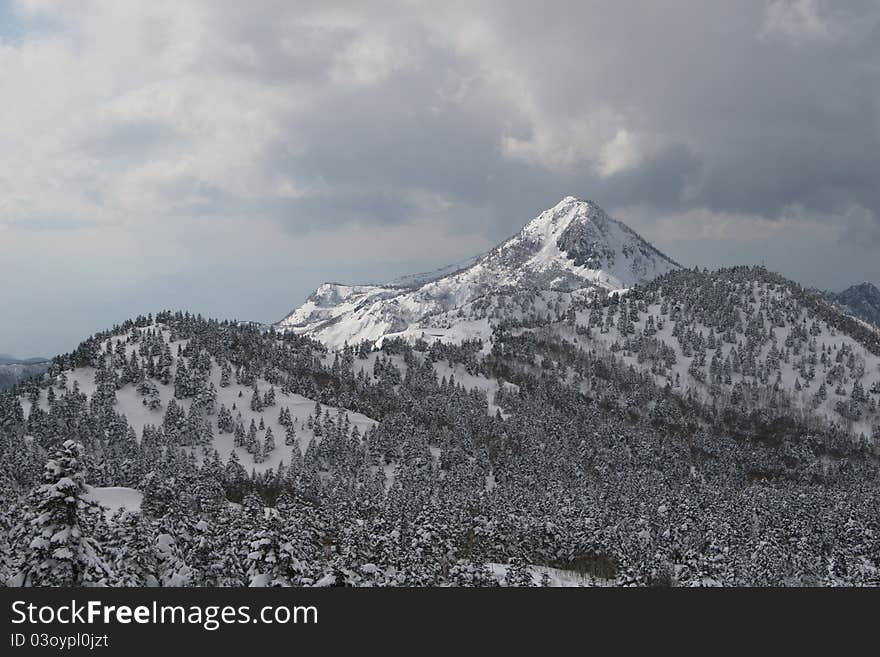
x,y
862,301
572,249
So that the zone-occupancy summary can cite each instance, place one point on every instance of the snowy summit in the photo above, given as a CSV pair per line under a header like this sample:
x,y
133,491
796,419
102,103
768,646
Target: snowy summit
x,y
573,247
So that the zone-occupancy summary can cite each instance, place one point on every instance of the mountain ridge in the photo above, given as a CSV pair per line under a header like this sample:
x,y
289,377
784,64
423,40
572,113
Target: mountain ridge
x,y
572,247
861,300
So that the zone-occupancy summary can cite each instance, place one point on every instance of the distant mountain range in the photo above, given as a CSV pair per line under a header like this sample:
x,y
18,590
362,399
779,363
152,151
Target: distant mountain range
x,y
862,301
6,359
13,370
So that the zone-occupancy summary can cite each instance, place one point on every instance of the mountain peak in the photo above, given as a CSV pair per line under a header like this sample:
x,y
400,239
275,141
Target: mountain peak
x,y
571,249
577,235
864,287
556,219
862,301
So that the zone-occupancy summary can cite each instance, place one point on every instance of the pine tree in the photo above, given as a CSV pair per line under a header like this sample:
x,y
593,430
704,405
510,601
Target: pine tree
x,y
256,400
269,442
518,573
59,546
284,418
259,452
224,420
132,551
239,438
172,567
235,478
290,435
270,559
250,443
150,394
253,505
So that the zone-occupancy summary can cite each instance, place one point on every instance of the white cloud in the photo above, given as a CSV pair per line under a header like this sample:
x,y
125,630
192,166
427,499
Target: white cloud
x,y
619,154
794,19
802,22
561,143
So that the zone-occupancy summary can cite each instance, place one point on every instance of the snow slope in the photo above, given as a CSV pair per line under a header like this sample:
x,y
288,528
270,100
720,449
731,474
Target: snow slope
x,y
573,246
557,578
114,498
235,396
795,348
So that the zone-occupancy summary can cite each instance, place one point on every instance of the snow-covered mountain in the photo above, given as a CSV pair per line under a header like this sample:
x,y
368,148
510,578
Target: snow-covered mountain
x,y
734,406
739,332
571,249
862,301
743,332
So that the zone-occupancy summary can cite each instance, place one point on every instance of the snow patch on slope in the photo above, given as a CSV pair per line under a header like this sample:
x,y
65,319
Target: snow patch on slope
x,y
113,498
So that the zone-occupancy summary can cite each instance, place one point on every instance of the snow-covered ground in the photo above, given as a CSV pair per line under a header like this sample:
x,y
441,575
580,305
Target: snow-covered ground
x,y
114,498
235,396
558,578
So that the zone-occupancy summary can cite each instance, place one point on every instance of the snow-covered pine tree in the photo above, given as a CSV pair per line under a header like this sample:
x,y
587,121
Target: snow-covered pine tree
x,y
290,435
256,400
58,546
269,442
518,573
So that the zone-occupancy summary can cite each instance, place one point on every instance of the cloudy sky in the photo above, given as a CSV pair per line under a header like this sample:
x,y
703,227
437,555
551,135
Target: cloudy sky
x,y
226,157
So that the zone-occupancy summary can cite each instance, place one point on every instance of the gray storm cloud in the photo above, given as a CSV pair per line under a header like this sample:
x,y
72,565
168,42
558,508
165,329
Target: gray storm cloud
x,y
280,144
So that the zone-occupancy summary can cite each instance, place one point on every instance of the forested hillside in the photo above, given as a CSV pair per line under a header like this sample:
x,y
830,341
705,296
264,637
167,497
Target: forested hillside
x,y
262,458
